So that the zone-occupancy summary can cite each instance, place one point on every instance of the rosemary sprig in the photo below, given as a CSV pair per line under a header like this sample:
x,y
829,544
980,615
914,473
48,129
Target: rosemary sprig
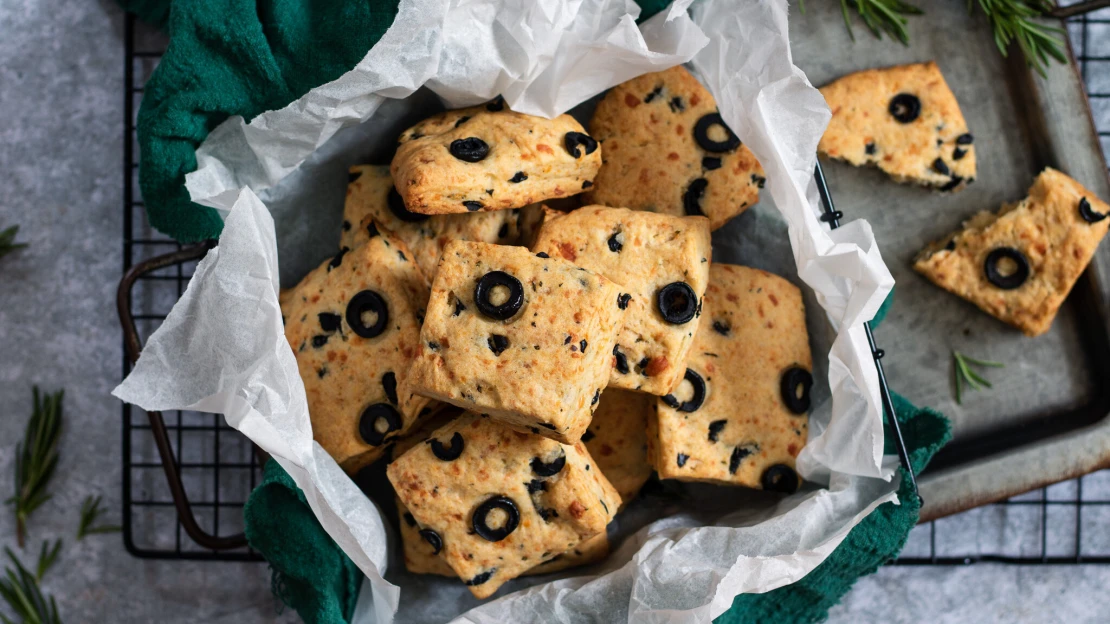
x,y
880,16
36,459
1013,20
7,241
48,554
90,512
967,376
20,589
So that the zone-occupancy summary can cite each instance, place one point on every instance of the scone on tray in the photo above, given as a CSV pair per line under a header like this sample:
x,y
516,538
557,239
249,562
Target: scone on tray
x,y
662,264
1019,264
740,415
498,502
354,326
667,150
904,120
491,158
522,337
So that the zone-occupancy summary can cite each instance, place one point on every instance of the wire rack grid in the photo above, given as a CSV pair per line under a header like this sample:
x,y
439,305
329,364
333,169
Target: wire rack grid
x,y
218,466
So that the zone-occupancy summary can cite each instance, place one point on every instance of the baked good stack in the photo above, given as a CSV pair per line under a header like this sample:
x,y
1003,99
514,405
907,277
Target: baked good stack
x,y
586,349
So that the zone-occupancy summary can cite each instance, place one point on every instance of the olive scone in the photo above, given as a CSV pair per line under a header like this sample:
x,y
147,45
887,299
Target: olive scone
x,y
1019,264
904,120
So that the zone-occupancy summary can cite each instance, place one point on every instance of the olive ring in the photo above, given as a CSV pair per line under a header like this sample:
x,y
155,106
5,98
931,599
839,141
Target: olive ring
x,y
695,401
904,107
1013,280
548,470
483,290
780,478
367,424
677,303
449,453
486,532
792,379
367,301
701,134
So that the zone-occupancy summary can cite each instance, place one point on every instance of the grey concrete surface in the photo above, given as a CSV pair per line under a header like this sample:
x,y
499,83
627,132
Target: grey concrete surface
x,y
60,179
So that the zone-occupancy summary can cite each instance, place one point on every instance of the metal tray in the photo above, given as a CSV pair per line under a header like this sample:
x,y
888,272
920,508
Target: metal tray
x,y
1045,420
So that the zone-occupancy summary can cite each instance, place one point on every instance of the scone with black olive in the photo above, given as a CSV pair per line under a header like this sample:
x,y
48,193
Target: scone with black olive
x,y
904,120
740,415
497,502
491,158
1020,264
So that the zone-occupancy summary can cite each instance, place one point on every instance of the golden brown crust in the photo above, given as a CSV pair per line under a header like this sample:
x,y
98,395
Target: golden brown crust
x,y
1049,231
752,331
542,369
343,372
646,126
557,508
864,132
617,439
433,181
655,250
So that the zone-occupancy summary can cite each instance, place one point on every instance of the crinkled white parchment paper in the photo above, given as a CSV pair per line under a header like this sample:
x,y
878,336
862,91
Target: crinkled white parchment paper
x,y
222,348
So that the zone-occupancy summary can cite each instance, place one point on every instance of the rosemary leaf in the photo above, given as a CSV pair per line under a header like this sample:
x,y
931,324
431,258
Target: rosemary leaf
x,y
967,376
90,512
7,241
20,590
47,556
36,459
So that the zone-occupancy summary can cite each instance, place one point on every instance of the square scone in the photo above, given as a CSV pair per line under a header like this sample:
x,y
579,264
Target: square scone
x,y
617,439
491,158
498,502
662,264
372,201
354,326
904,120
740,415
523,338
422,548
667,150
1019,264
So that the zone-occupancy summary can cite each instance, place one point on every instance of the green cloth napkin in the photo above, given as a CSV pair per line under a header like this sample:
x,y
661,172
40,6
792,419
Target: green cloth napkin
x,y
237,57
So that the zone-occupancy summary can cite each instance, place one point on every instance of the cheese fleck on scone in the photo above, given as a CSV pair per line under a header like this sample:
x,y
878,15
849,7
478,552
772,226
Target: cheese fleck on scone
x,y
1020,264
662,265
354,326
525,338
903,119
496,502
490,158
667,150
740,415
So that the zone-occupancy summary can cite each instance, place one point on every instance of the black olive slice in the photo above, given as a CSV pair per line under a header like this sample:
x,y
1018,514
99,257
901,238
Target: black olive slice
x,y
450,453
482,528
681,459
738,455
470,149
496,105
941,167
389,384
677,303
574,139
518,177
622,361
367,424
722,327
701,134
432,538
691,199
497,343
958,154
622,300
472,206
709,163
338,259
397,207
488,574
780,478
793,379
696,400
367,301
329,322
905,108
1085,211
548,470
615,245
715,429
1013,280
484,289
965,139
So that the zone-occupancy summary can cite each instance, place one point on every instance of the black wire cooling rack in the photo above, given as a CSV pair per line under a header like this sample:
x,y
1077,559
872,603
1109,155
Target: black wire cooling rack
x,y
217,467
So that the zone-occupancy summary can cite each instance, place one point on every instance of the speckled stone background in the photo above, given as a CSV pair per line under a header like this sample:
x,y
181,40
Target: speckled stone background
x,y
61,98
